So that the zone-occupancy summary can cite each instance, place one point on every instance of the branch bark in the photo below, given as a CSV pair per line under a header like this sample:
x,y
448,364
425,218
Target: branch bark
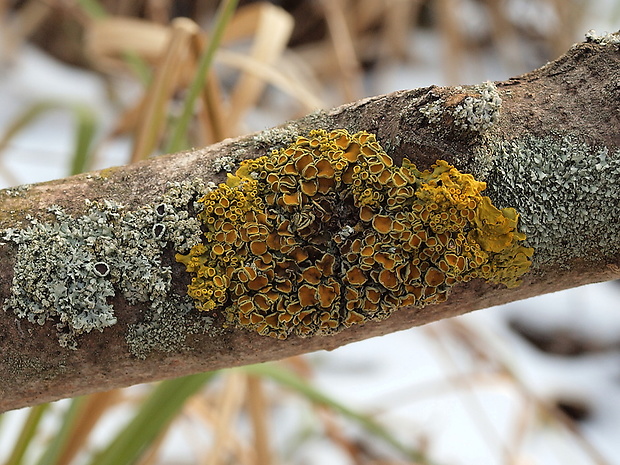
x,y
552,150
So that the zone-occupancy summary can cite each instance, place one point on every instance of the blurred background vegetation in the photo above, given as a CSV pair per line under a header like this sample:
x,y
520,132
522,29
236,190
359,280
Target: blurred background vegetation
x,y
169,75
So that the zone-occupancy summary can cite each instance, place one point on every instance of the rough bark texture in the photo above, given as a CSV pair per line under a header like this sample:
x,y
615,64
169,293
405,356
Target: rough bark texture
x,y
575,99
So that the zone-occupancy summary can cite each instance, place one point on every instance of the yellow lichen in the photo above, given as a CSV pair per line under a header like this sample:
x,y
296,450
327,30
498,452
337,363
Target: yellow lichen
x,y
329,232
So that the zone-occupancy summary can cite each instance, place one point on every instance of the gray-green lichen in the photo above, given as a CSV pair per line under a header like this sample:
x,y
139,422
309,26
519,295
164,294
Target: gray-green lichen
x,y
167,328
69,270
225,163
604,39
18,191
477,112
278,137
566,193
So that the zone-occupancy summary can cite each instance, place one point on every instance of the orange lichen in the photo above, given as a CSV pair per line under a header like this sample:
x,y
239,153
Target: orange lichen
x,y
329,232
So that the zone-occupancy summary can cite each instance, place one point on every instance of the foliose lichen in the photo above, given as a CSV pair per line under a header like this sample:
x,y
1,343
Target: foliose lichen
x,y
69,269
562,189
18,191
475,108
603,39
224,163
329,232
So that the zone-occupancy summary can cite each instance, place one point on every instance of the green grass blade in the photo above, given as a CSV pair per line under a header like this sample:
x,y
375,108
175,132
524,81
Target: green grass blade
x,y
290,380
86,126
153,416
93,8
84,134
23,119
138,66
56,447
27,433
178,139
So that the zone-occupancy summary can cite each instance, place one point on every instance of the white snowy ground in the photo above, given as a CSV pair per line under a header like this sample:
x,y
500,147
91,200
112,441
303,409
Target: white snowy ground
x,y
428,382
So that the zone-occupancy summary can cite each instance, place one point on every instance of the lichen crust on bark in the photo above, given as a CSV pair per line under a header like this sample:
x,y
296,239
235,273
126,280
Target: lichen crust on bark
x,y
473,108
330,232
69,269
562,188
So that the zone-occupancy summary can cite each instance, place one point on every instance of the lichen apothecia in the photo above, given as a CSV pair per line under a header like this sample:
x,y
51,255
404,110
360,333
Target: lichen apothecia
x,y
70,269
330,232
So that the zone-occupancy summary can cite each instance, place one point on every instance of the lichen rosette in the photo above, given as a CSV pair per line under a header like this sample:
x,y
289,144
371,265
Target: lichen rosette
x,y
329,232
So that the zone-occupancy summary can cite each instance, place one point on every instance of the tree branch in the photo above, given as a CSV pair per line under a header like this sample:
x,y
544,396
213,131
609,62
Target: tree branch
x,y
547,143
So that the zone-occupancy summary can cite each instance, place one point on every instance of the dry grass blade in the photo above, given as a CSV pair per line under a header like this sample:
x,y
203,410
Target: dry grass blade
x,y
158,11
108,40
127,121
259,414
562,35
207,414
201,416
272,75
95,406
448,385
297,70
343,43
271,27
21,24
162,89
320,58
397,25
505,35
480,347
178,139
468,395
299,365
519,433
4,12
230,404
211,114
454,42
335,433
363,14
287,379
561,418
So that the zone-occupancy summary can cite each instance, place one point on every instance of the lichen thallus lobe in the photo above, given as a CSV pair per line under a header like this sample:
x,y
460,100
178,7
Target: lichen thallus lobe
x,y
329,232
